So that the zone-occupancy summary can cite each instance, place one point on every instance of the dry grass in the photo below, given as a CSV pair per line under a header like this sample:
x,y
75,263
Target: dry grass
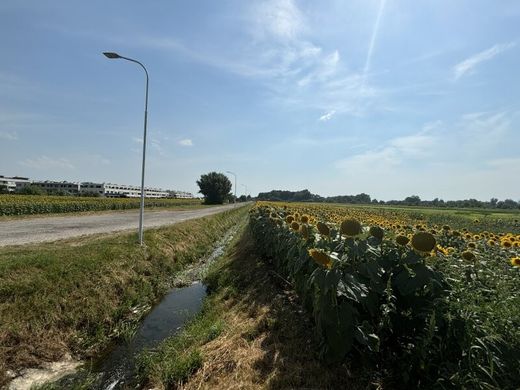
x,y
267,341
76,296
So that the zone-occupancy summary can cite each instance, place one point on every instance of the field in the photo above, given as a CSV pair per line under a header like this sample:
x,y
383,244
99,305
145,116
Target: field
x,y
307,296
11,205
431,299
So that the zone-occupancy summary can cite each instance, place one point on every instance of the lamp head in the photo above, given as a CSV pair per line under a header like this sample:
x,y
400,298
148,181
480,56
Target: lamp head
x,y
111,55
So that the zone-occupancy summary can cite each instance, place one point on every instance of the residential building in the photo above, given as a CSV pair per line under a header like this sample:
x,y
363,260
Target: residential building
x,y
72,188
14,183
109,190
180,195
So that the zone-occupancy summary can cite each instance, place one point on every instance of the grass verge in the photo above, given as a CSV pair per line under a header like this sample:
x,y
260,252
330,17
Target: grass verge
x,y
251,333
78,295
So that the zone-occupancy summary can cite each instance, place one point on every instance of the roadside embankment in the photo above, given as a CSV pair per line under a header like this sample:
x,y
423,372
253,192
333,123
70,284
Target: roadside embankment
x,y
77,296
251,333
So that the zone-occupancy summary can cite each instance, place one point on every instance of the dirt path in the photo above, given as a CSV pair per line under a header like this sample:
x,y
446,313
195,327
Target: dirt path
x,y
33,230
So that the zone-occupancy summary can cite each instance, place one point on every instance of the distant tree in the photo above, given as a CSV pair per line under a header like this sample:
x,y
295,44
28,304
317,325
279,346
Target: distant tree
x,y
507,204
3,189
59,193
413,200
215,187
242,198
32,190
89,194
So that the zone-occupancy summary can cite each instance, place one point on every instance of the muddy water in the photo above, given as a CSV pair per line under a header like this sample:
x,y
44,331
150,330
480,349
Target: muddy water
x,y
115,369
164,320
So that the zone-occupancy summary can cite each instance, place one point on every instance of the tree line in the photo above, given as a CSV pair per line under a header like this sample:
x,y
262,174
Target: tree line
x,y
413,200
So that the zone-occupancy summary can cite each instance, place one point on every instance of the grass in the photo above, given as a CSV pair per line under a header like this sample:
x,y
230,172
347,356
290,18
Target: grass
x,y
78,295
251,333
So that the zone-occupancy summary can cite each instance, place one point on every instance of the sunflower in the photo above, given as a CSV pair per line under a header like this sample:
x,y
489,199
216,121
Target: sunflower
x,y
323,229
377,232
295,226
321,257
467,255
350,227
402,240
423,242
289,219
515,261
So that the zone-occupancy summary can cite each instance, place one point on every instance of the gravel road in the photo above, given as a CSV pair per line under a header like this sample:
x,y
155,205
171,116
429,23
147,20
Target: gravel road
x,y
33,230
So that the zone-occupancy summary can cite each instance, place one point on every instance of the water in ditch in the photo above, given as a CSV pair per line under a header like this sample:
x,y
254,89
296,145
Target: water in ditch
x,y
164,320
116,368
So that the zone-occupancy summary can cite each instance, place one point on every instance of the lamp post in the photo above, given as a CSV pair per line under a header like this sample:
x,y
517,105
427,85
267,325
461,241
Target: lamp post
x,y
234,174
112,56
245,187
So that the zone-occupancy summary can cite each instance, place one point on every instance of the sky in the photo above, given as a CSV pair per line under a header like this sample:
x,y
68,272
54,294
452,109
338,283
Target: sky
x,y
388,97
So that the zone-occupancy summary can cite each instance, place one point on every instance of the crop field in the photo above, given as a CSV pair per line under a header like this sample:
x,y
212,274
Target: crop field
x,y
428,299
36,204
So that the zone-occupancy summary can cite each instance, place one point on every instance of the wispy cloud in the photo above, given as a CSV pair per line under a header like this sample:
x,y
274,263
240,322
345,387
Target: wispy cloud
x,y
186,142
475,157
278,51
373,39
467,66
327,116
46,163
8,135
280,18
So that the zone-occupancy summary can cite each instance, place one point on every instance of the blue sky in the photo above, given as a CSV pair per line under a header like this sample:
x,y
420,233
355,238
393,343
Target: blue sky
x,y
391,98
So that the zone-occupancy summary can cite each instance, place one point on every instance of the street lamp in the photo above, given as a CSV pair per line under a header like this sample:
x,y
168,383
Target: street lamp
x,y
245,187
113,56
234,200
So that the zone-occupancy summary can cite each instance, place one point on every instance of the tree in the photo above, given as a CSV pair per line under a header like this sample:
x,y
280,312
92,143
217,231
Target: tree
x,y
215,187
4,189
32,190
413,200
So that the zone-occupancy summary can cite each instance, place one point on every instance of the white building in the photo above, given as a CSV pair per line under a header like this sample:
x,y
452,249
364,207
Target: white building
x,y
122,190
72,188
14,183
180,195
109,190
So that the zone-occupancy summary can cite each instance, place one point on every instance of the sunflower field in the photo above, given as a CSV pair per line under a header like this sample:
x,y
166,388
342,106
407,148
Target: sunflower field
x,y
428,305
37,204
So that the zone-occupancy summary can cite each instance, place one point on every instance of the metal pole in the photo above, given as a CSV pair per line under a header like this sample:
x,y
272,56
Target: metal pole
x,y
234,200
141,211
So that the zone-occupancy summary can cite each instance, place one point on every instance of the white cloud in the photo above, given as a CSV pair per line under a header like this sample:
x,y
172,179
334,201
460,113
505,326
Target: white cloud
x,y
327,116
138,140
186,142
8,135
373,39
279,53
47,163
470,63
470,157
279,18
